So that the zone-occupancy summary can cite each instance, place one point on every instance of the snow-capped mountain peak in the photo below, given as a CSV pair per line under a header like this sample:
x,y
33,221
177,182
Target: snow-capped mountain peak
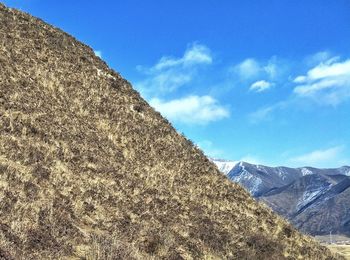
x,y
225,166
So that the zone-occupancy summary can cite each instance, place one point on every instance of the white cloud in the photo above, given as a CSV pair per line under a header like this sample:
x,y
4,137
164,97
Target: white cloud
x,y
327,83
251,69
199,54
325,70
170,73
300,79
260,86
191,109
319,158
98,53
248,69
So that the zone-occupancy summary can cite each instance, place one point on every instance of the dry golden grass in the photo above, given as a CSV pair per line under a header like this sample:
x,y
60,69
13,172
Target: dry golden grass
x,y
343,250
88,170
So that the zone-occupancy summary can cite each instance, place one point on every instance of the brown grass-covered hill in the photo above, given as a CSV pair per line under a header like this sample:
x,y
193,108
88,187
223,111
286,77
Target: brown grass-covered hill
x,y
88,170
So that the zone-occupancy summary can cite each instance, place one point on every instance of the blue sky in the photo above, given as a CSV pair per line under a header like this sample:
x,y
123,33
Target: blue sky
x,y
263,81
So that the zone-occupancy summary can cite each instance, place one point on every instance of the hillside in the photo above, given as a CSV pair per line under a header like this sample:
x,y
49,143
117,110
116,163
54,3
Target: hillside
x,y
315,200
88,170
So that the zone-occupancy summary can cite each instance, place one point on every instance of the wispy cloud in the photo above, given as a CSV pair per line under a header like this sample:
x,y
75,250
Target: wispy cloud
x,y
328,83
270,68
317,58
319,158
247,69
260,86
196,54
210,149
191,109
261,114
252,69
170,73
265,113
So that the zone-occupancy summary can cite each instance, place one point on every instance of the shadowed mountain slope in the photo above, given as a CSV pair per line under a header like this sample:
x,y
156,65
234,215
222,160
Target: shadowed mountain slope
x,y
314,203
328,213
88,170
315,200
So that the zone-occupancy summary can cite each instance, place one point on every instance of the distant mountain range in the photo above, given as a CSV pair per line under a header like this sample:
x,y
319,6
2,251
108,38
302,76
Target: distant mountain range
x,y
316,201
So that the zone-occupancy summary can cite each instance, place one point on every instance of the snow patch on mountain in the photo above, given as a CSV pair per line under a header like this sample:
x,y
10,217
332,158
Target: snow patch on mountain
x,y
306,171
224,166
311,195
261,168
283,174
251,182
345,170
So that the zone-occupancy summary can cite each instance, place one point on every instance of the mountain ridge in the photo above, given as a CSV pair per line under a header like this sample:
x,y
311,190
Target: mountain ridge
x,y
300,194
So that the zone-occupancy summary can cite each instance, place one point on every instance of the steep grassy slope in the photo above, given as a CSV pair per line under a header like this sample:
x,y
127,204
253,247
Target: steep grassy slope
x,y
89,171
